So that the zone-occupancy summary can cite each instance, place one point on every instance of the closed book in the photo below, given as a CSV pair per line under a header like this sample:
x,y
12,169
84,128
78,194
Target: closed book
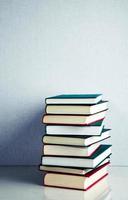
x,y
75,181
89,162
74,151
93,129
77,109
73,119
74,99
70,170
99,191
77,140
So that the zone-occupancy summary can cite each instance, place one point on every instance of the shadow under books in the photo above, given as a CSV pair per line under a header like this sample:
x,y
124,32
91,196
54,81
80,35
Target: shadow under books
x,y
23,147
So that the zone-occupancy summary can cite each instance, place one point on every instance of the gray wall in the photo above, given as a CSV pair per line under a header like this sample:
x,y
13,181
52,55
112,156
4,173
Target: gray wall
x,y
52,47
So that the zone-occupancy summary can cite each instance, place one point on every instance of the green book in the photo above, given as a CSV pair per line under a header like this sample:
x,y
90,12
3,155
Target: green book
x,y
74,99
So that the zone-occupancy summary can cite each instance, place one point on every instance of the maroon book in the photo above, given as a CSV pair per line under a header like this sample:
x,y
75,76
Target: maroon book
x,y
76,181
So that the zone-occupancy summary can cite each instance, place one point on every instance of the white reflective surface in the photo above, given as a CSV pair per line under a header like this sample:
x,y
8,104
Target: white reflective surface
x,y
25,183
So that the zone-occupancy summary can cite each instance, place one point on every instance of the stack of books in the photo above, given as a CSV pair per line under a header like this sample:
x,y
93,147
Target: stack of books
x,y
76,153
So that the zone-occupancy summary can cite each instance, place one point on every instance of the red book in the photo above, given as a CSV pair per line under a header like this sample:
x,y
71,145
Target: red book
x,y
76,181
73,119
100,190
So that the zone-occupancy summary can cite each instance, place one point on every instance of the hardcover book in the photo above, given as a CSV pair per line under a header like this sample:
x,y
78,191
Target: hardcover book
x,y
74,151
78,140
99,191
74,99
93,129
73,119
88,162
70,170
75,181
77,109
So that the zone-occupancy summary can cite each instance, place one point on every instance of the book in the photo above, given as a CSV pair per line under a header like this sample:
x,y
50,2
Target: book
x,y
75,181
88,162
74,99
99,191
93,129
70,170
74,151
78,140
73,119
77,109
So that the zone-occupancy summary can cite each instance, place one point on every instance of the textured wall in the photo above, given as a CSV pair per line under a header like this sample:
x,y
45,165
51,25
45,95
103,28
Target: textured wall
x,y
52,47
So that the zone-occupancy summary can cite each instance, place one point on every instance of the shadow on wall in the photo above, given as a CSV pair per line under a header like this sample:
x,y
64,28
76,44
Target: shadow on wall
x,y
24,143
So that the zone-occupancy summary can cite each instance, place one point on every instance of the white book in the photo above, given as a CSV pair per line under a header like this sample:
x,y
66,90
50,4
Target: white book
x,y
89,162
93,129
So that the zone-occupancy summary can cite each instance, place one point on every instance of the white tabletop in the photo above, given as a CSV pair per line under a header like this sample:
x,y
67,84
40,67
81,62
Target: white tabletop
x,y
25,183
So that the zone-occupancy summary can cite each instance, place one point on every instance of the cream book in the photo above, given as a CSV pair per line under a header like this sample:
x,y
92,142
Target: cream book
x,y
77,109
75,181
73,119
77,140
74,151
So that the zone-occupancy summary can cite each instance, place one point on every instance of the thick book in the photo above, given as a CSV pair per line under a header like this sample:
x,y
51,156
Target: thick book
x,y
73,119
74,99
99,191
75,181
74,151
77,140
77,109
70,170
88,162
93,129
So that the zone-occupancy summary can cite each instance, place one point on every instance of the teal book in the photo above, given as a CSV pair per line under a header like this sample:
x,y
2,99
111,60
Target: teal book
x,y
74,99
93,129
87,162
